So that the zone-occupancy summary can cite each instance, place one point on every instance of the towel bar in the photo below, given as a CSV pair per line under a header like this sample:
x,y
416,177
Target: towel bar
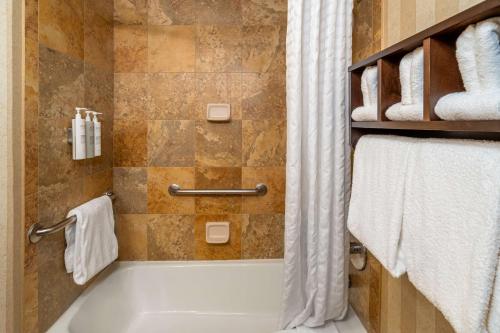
x,y
260,189
37,231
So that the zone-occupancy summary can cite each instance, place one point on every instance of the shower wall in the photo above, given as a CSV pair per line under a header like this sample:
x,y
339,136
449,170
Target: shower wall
x,y
68,63
171,59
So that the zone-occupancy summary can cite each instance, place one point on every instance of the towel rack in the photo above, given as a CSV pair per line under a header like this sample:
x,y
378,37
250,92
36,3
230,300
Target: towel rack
x,y
176,190
37,231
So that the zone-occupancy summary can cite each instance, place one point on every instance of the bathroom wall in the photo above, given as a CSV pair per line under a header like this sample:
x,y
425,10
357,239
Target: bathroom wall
x,y
171,59
403,18
385,304
68,63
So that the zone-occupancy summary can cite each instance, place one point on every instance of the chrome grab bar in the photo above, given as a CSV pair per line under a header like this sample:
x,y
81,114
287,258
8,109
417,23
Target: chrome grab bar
x,y
37,231
176,190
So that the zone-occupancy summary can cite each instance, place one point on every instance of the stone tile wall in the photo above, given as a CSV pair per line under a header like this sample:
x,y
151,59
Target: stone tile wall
x,y
171,59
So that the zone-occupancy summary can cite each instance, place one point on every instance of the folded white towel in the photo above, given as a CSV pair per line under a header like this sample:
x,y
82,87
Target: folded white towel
x,y
466,58
369,83
488,53
91,241
451,229
365,113
478,57
376,205
411,75
400,112
469,106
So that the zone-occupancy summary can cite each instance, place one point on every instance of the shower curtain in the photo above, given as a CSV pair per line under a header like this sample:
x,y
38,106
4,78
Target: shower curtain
x,y
317,173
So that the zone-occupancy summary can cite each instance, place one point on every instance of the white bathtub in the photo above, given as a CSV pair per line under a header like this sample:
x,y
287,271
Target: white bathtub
x,y
182,297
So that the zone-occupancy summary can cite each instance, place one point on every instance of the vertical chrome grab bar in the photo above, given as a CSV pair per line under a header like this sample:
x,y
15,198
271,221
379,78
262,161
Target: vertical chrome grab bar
x,y
176,190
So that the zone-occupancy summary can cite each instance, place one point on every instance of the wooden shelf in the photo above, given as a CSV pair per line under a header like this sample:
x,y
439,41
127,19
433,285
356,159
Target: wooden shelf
x,y
441,77
490,126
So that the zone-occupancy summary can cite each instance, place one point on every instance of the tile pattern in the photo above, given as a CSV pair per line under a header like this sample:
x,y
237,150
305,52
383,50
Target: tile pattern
x,y
67,64
385,304
172,58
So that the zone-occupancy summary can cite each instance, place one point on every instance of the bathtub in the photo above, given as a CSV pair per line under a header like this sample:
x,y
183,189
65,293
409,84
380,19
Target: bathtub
x,y
181,297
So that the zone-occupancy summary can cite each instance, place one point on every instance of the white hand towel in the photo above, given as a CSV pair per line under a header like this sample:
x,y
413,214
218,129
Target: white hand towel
x,y
91,241
466,58
376,205
369,83
411,75
451,227
488,53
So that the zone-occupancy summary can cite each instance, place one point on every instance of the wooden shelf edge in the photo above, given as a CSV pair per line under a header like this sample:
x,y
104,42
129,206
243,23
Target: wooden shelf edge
x,y
491,126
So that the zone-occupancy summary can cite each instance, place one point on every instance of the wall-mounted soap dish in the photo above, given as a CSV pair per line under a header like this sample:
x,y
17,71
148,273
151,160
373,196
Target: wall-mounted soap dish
x,y
217,232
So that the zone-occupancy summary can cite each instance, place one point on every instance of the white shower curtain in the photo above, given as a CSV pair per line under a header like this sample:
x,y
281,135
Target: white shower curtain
x,y
317,173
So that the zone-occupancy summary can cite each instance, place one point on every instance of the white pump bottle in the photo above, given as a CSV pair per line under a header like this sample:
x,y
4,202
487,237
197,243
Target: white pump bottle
x,y
97,134
89,134
78,127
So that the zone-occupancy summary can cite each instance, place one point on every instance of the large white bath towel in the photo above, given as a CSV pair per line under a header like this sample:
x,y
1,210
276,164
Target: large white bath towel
x,y
451,228
376,206
91,241
369,84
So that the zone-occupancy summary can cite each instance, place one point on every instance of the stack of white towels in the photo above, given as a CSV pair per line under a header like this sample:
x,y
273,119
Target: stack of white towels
x,y
431,208
411,76
478,56
368,112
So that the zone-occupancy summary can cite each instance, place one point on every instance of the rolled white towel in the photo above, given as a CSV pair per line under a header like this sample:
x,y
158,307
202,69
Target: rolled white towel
x,y
365,113
405,78
369,84
417,76
469,106
488,53
466,58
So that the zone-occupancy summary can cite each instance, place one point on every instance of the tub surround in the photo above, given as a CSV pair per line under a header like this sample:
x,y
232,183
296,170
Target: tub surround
x,y
171,60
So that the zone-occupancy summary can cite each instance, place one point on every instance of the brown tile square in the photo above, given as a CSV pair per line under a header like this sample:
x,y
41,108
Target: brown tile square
x,y
263,237
31,19
264,142
171,143
230,250
61,26
172,12
132,236
218,144
130,143
262,47
131,48
210,178
130,187
211,88
274,200
171,237
171,48
257,12
131,96
30,302
173,96
264,96
159,200
61,84
56,200
55,163
218,48
131,11
98,34
98,183
219,12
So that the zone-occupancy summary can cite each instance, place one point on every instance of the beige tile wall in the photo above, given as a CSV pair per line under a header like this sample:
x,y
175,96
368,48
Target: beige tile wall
x,y
171,59
67,64
403,18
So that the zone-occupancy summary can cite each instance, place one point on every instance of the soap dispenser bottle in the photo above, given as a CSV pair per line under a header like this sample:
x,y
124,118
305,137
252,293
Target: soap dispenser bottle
x,y
78,128
89,134
97,134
